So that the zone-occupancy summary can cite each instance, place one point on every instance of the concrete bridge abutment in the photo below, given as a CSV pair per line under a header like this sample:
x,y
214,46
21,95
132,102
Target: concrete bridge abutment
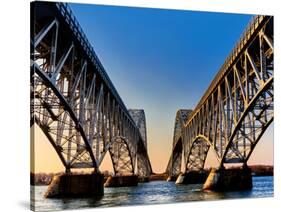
x,y
192,177
76,185
172,178
229,179
121,181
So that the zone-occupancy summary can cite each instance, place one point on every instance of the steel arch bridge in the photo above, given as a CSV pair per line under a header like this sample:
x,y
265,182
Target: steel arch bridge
x,y
74,101
235,110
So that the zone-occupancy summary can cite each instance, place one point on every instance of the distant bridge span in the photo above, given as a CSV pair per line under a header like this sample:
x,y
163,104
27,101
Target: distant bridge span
x,y
74,101
235,110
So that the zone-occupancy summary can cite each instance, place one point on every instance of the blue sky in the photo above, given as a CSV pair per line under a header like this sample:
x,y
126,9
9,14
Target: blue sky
x,y
160,60
151,53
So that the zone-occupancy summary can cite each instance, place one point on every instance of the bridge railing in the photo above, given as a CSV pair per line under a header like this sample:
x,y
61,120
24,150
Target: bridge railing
x,y
70,19
238,47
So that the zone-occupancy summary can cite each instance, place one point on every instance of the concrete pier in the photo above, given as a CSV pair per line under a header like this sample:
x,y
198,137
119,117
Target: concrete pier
x,y
143,179
122,181
76,185
229,179
171,178
192,177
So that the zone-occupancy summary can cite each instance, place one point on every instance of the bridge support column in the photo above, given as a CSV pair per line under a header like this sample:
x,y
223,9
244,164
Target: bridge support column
x,y
76,185
192,177
122,181
229,179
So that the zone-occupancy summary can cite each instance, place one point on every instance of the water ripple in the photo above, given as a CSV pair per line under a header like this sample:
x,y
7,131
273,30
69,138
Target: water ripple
x,y
156,192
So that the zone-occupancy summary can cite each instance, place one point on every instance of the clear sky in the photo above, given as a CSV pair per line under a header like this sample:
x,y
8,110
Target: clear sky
x,y
161,61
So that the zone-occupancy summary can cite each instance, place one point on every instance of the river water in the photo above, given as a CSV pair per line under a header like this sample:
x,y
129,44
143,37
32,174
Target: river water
x,y
155,192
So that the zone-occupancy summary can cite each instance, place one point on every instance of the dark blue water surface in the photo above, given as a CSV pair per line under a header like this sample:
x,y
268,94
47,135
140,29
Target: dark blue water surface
x,y
156,192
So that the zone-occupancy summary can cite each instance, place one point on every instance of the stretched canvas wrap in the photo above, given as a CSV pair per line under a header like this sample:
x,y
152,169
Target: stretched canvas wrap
x,y
135,106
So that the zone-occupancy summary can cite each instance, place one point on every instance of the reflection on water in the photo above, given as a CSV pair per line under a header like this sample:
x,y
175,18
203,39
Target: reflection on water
x,y
155,192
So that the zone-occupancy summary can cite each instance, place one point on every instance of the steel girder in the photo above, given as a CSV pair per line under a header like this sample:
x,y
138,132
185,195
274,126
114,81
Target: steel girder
x,y
73,100
237,107
138,116
174,164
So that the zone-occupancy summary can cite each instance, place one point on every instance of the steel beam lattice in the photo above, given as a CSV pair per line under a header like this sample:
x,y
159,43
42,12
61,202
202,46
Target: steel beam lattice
x,y
237,107
73,100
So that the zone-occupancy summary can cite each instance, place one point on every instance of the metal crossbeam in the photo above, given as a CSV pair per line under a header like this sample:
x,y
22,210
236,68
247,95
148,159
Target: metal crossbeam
x,y
237,107
73,100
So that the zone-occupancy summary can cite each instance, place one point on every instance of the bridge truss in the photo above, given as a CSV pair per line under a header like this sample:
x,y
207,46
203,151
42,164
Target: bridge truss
x,y
235,110
73,100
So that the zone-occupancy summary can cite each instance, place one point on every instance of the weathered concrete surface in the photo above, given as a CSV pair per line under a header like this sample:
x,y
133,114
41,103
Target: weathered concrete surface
x,y
180,178
76,185
229,179
143,179
192,177
121,181
171,178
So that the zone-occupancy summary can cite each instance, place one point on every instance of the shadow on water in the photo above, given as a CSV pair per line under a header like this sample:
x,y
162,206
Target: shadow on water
x,y
72,203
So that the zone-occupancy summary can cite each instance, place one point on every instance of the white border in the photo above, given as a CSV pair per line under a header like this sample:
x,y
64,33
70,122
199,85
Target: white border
x,y
14,87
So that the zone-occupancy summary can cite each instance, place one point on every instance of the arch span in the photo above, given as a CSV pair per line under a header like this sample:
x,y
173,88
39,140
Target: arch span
x,y
237,108
121,157
178,150
73,99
